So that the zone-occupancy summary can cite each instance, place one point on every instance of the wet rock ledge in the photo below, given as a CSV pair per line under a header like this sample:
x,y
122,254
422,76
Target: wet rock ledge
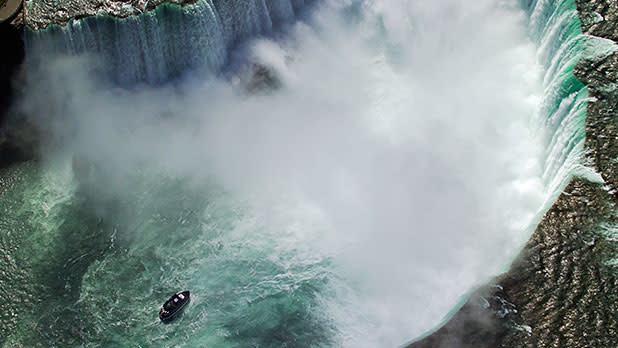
x,y
562,290
42,13
11,56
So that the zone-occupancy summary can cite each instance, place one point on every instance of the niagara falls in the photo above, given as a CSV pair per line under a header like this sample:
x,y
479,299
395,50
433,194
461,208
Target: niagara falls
x,y
317,173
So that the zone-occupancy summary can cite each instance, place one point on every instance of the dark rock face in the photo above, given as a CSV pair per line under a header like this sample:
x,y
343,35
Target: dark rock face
x,y
10,61
599,18
564,285
482,322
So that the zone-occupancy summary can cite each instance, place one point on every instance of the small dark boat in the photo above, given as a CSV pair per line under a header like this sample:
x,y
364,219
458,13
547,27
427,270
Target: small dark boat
x,y
174,306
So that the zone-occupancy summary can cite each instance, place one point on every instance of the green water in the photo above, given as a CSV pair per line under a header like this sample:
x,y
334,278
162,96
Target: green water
x,y
97,277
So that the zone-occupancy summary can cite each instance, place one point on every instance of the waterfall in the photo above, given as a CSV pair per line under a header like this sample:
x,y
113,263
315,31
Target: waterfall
x,y
170,40
556,27
391,172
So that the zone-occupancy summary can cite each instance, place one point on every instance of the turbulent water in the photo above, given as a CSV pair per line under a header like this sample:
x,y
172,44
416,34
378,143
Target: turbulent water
x,y
397,155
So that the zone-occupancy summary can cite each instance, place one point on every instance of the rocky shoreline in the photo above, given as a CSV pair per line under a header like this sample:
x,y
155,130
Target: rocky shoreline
x,y
43,13
562,290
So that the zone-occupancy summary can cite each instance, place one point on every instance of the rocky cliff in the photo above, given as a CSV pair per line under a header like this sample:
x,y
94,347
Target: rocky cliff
x,y
562,290
11,34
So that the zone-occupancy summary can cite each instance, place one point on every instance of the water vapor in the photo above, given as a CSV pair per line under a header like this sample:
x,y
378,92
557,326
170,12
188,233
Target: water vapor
x,y
398,145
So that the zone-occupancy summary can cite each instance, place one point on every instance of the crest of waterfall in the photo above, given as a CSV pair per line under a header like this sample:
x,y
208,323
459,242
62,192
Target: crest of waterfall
x,y
164,43
557,29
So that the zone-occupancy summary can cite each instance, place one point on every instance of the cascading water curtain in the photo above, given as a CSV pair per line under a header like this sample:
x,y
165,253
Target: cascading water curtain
x,y
164,43
389,171
556,27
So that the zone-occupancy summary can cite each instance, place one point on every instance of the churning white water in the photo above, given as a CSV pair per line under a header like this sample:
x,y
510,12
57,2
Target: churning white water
x,y
400,152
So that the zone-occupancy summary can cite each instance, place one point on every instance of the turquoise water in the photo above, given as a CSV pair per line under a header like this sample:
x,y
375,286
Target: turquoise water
x,y
101,276
351,207
557,28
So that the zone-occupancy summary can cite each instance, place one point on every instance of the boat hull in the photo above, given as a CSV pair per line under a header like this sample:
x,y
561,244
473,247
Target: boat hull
x,y
171,310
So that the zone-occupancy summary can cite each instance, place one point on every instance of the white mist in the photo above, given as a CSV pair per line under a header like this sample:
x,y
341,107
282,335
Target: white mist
x,y
400,146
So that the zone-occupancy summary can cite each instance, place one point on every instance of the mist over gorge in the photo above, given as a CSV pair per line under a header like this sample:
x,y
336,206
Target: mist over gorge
x,y
340,173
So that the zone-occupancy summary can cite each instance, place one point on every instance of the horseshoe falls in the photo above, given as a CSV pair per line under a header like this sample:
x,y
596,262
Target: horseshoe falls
x,y
168,41
328,174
